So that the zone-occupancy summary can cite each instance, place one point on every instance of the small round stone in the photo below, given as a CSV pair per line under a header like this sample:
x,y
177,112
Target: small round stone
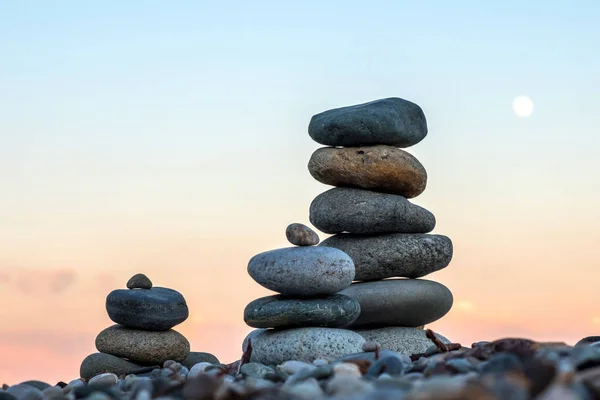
x,y
195,357
139,281
98,363
370,346
283,312
107,378
302,271
400,339
301,235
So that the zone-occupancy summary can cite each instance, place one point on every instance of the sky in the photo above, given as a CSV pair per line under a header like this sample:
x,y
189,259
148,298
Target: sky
x,y
170,138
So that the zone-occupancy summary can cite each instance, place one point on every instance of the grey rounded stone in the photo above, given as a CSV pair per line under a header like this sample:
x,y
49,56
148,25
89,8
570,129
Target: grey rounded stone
x,y
139,281
392,121
399,302
365,212
400,339
301,235
284,312
274,347
156,309
196,357
302,271
25,392
147,347
393,255
99,363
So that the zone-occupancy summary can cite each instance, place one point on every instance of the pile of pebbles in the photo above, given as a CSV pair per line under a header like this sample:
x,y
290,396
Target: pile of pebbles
x,y
511,368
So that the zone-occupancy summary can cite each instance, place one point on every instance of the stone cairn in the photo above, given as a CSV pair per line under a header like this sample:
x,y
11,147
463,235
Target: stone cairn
x,y
378,234
142,337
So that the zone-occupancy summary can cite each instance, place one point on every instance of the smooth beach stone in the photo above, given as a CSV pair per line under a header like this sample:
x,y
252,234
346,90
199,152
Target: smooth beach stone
x,y
383,169
390,255
392,121
302,271
365,212
25,392
274,346
196,357
139,281
149,347
400,339
399,302
99,363
301,235
280,311
156,309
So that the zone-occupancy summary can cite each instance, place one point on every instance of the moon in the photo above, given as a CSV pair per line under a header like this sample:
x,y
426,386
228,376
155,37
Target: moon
x,y
522,106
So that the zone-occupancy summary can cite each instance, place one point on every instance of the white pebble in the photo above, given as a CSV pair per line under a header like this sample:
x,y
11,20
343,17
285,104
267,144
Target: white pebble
x,y
292,366
384,376
198,369
319,362
106,378
143,395
306,390
347,369
347,385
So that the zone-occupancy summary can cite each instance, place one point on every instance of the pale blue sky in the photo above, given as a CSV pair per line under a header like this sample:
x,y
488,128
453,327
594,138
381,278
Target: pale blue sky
x,y
157,108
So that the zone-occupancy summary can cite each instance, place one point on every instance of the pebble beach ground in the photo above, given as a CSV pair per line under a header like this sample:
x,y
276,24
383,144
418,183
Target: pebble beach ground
x,y
510,368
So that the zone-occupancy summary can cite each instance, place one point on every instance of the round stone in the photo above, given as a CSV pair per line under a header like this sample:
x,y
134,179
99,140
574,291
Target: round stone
x,y
400,339
302,271
399,302
99,363
139,281
156,309
392,121
365,212
284,312
301,235
147,347
378,168
274,347
393,255
196,357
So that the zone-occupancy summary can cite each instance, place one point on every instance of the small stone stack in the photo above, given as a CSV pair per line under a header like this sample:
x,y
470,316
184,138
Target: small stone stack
x,y
143,334
302,322
372,220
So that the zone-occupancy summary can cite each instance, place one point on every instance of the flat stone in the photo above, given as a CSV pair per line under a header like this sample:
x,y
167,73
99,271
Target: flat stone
x,y
378,168
99,363
301,235
197,357
139,281
302,271
399,302
392,121
400,339
274,346
365,212
284,312
146,347
393,255
156,309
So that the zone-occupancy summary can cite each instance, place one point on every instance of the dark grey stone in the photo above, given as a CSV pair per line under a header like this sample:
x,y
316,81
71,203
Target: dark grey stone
x,y
366,212
195,357
284,312
302,271
400,339
156,309
139,281
37,384
501,363
392,121
460,365
390,365
6,396
99,363
584,357
25,392
255,370
588,340
393,255
399,302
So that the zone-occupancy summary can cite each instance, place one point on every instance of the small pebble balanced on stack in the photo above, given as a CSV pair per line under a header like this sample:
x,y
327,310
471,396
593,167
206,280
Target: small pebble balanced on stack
x,y
303,319
143,334
372,220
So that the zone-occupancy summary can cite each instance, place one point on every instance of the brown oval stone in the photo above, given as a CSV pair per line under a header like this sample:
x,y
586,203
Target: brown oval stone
x,y
301,235
151,347
380,168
